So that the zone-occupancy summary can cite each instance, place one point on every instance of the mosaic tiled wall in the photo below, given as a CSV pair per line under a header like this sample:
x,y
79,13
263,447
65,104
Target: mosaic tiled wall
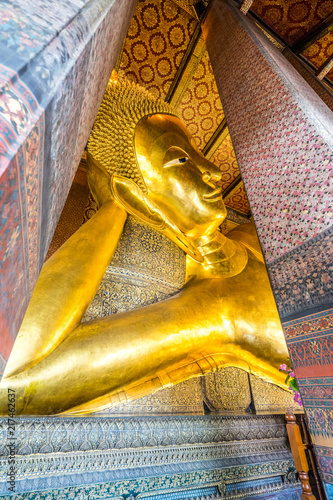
x,y
56,59
282,134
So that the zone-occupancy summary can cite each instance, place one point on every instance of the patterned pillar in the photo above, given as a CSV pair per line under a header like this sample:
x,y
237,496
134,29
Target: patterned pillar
x,y
282,134
55,61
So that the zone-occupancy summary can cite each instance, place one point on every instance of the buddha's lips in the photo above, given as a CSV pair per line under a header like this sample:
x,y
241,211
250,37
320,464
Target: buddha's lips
x,y
213,195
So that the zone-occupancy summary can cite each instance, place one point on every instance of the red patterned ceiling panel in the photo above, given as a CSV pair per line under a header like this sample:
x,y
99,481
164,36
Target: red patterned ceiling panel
x,y
292,19
225,159
200,107
155,44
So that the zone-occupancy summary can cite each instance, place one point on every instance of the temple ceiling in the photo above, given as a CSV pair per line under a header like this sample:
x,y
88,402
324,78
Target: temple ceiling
x,y
292,19
305,26
164,51
155,45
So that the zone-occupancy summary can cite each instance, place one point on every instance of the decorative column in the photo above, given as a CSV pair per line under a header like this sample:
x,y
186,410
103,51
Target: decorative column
x,y
282,134
55,61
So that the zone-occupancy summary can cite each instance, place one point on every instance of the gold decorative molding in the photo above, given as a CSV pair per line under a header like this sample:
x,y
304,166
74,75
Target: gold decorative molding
x,y
235,183
216,140
270,37
325,68
245,6
188,5
186,70
269,398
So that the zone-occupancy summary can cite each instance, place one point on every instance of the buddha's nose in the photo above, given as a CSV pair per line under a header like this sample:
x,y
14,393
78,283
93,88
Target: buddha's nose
x,y
206,176
212,175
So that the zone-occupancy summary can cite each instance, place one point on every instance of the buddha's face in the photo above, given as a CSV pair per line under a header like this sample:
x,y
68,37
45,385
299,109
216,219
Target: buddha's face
x,y
179,179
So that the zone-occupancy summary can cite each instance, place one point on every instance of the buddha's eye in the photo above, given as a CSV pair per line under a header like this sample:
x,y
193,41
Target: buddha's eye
x,y
175,156
176,161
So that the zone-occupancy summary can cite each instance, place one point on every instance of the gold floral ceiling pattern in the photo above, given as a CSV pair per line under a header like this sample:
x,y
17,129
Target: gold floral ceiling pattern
x,y
225,158
320,51
156,42
200,106
292,19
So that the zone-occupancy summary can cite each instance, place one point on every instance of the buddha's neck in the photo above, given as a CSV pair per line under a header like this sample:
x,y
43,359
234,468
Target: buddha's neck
x,y
222,256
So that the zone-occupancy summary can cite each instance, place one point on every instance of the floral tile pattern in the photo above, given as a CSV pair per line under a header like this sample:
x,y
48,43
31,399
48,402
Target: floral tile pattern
x,y
320,51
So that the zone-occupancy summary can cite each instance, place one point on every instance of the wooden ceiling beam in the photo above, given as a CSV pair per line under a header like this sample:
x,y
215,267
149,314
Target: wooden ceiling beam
x,y
314,35
325,68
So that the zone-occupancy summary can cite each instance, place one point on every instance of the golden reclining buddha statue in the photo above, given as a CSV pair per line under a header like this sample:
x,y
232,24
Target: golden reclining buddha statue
x,y
143,161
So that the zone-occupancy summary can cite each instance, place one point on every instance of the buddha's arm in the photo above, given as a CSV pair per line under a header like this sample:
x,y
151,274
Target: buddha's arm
x,y
202,328
66,285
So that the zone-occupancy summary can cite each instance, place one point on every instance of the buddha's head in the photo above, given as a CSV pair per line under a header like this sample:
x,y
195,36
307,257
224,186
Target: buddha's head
x,y
138,137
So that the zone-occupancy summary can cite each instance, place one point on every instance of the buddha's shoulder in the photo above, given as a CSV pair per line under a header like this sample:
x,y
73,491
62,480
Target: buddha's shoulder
x,y
247,235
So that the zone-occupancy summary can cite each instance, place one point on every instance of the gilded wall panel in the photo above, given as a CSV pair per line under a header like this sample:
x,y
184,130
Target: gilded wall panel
x,y
155,44
188,70
73,211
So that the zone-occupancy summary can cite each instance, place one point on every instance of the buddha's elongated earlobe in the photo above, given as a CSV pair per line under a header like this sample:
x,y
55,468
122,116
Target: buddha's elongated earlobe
x,y
129,196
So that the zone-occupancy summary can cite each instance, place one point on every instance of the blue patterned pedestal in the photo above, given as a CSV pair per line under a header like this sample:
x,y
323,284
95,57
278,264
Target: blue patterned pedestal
x,y
149,457
328,490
